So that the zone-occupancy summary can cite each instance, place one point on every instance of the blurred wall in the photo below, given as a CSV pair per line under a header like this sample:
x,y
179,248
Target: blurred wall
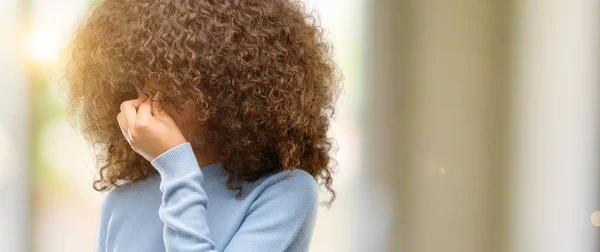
x,y
14,132
483,123
441,98
555,180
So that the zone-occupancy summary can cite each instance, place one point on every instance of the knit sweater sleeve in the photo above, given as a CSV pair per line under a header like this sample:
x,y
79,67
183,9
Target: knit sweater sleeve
x,y
184,202
280,219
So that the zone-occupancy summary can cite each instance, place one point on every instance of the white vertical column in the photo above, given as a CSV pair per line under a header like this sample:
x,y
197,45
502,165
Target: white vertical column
x,y
453,118
555,169
14,133
436,135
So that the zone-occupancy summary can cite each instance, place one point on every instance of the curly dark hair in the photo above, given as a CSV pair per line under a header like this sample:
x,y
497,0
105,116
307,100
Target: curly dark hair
x,y
259,72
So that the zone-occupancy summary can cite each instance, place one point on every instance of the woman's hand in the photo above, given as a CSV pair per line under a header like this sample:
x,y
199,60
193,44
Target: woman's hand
x,y
149,130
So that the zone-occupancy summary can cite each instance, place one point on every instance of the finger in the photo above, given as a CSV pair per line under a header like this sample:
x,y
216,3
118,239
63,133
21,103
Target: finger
x,y
129,110
138,101
144,111
157,109
126,129
123,127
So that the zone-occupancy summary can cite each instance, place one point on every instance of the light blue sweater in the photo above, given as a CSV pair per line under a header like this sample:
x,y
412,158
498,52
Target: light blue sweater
x,y
189,208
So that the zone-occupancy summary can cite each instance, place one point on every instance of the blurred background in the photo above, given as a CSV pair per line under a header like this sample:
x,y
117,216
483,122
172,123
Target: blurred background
x,y
464,126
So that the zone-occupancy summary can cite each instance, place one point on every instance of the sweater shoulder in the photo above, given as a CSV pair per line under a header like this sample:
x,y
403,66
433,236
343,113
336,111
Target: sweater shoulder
x,y
290,178
138,192
293,187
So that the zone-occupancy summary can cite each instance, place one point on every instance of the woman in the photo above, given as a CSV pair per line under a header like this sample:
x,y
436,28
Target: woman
x,y
210,118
